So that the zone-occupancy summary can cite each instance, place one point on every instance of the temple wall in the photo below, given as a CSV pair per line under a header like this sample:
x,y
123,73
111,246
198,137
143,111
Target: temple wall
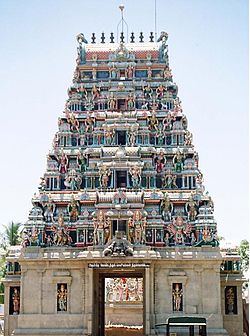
x,y
201,293
233,323
201,290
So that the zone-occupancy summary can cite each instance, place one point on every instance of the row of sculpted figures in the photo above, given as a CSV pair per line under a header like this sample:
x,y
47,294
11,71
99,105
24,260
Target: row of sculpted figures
x,y
148,98
115,72
176,227
154,133
189,209
163,171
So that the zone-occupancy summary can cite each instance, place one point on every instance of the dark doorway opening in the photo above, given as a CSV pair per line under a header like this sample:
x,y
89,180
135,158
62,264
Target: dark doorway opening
x,y
119,225
121,138
121,179
121,104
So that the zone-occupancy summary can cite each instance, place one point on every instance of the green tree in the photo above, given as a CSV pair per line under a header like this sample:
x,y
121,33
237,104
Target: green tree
x,y
11,234
2,275
243,251
9,237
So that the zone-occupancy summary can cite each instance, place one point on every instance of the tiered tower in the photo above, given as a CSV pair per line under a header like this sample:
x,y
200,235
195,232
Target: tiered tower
x,y
123,157
122,196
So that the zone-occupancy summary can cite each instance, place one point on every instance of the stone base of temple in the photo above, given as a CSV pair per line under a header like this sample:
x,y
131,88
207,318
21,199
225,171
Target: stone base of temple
x,y
83,274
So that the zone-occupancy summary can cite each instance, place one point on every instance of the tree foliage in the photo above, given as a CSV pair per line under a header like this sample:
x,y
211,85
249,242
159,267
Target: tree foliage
x,y
11,235
244,255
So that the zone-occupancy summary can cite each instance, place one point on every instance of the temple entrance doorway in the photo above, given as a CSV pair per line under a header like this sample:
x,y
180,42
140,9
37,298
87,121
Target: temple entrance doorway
x,y
118,302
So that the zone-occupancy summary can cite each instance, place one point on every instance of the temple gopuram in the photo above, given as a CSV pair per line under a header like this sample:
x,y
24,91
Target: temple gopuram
x,y
121,238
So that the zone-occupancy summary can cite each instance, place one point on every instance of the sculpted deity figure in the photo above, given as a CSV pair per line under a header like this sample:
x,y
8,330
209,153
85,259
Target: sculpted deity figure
x,y
60,233
63,163
113,72
153,122
160,134
149,71
131,230
207,235
167,123
174,182
73,122
130,72
135,173
107,230
160,162
210,203
100,223
177,106
112,102
193,239
56,141
82,161
95,92
16,301
199,179
160,91
73,180
191,209
34,236
109,134
76,75
62,298
25,238
184,122
167,239
104,174
169,181
179,229
188,138
177,297
139,225
178,161
82,91
147,91
94,73
166,208
163,50
167,74
132,135
89,124
95,225
130,102
109,292
73,209
196,159
81,49
49,209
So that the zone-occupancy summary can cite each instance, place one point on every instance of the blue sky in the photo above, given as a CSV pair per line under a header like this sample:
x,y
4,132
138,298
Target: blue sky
x,y
208,49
